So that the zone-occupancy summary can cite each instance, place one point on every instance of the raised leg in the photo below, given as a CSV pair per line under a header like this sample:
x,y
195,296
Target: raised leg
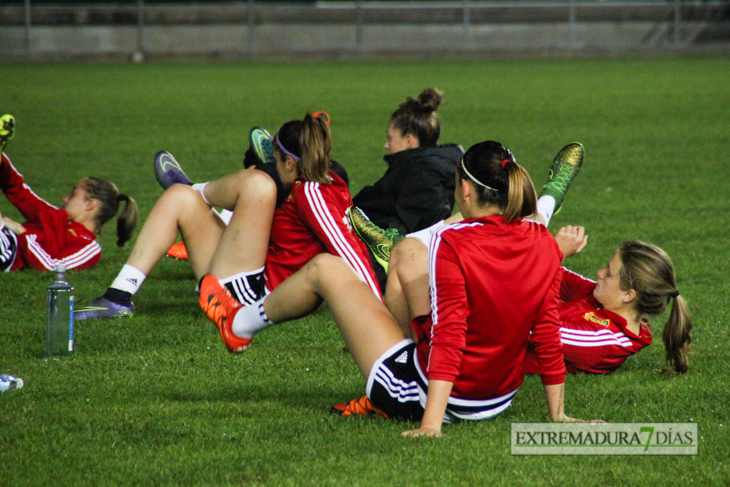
x,y
366,325
251,195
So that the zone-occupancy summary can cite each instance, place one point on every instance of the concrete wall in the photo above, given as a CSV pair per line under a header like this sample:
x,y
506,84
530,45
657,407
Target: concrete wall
x,y
232,31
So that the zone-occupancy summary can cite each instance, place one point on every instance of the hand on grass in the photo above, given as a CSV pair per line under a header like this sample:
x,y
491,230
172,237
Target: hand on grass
x,y
14,226
423,431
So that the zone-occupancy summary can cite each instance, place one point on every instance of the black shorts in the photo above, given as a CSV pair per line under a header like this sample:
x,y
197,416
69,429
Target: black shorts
x,y
398,386
8,249
247,287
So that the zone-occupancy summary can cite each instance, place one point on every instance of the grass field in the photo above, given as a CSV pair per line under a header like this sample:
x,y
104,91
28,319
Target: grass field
x,y
157,400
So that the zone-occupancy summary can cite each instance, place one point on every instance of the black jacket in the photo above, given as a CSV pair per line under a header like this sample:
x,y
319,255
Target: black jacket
x,y
416,191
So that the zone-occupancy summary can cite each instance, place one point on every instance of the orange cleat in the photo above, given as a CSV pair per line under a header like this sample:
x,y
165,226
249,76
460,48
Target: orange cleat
x,y
358,407
221,308
178,251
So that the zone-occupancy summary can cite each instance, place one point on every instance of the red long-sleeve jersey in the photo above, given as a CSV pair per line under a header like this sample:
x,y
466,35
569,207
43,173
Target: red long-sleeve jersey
x,y
492,283
312,221
50,238
595,340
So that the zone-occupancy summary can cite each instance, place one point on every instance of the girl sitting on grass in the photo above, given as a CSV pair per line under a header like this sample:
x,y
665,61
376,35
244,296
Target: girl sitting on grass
x,y
494,282
51,235
262,245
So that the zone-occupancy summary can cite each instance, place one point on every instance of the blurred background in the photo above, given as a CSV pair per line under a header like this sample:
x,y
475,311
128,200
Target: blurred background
x,y
138,30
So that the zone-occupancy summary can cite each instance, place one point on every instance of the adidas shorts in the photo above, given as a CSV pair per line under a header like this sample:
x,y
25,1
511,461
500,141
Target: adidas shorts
x,y
8,248
398,386
247,287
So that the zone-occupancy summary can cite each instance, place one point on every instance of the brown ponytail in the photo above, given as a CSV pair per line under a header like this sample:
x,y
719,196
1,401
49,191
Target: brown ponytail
x,y
418,117
310,142
649,271
499,180
109,198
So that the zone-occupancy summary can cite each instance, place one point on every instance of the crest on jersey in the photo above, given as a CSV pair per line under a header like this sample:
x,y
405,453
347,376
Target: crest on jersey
x,y
590,316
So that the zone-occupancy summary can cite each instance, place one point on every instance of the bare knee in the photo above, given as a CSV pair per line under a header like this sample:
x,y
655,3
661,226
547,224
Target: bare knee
x,y
180,195
407,257
255,185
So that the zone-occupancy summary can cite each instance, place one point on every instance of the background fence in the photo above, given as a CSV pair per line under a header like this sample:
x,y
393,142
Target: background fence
x,y
50,30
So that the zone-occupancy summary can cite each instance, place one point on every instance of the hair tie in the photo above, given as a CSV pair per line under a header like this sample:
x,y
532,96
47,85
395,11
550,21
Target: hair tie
x,y
281,146
122,197
504,163
674,294
473,178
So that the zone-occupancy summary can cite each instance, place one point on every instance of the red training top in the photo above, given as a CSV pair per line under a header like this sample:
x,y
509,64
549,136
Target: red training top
x,y
595,340
50,238
492,283
312,221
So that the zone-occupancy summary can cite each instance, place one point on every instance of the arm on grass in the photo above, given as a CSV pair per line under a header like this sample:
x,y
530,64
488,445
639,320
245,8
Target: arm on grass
x,y
438,397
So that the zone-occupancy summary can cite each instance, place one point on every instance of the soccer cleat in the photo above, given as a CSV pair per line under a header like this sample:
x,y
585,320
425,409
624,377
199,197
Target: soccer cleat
x,y
261,141
103,308
564,169
323,115
168,171
358,407
378,240
7,130
221,308
178,251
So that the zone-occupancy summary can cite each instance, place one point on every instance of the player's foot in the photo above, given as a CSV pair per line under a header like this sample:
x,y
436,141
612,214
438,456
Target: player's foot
x,y
7,130
103,308
168,171
379,241
323,115
260,141
358,407
221,308
564,169
178,251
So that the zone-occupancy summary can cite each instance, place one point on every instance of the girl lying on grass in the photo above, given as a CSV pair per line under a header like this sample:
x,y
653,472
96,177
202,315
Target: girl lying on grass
x,y
51,235
494,282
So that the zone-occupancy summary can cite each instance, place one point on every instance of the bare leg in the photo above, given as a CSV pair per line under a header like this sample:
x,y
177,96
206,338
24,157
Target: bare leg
x,y
179,208
407,293
366,325
251,195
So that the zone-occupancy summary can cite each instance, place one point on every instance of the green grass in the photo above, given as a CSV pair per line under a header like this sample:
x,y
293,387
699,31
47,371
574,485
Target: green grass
x,y
157,400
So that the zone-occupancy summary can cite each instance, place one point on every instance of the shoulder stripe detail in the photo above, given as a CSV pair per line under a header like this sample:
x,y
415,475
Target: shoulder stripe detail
x,y
565,269
74,260
328,224
28,187
598,338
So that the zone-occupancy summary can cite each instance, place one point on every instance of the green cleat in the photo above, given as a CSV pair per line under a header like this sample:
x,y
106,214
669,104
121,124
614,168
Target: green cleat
x,y
564,169
261,141
7,130
378,240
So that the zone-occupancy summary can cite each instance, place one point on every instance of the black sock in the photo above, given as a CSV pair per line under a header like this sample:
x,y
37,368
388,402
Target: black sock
x,y
117,296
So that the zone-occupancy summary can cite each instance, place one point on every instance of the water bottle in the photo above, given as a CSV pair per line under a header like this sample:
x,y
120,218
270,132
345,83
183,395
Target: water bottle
x,y
60,324
8,383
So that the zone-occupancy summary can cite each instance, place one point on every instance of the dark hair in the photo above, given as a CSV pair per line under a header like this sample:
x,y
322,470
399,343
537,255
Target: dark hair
x,y
310,140
498,179
418,117
648,270
109,198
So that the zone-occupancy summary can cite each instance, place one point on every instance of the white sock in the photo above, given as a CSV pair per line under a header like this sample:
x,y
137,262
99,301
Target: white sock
x,y
545,207
425,234
129,279
200,188
250,320
226,216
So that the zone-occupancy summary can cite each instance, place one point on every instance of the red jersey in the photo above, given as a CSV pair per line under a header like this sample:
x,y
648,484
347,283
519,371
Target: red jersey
x,y
595,340
492,283
50,238
312,221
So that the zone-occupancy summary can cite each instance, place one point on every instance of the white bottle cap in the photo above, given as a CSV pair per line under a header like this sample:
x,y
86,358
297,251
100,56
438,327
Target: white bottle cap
x,y
60,268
